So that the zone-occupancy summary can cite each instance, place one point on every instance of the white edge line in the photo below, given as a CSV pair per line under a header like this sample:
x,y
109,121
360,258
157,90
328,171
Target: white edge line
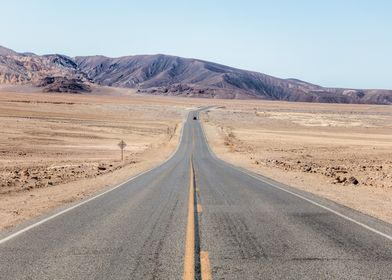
x,y
321,206
15,234
389,237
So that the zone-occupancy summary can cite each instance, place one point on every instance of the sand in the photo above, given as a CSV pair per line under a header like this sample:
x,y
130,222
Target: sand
x,y
56,149
340,152
60,148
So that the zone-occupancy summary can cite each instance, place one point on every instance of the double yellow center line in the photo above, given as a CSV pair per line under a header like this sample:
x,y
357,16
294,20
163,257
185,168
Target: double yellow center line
x,y
191,251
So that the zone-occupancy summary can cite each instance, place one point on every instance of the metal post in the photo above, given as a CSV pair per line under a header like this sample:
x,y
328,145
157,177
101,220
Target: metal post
x,y
122,145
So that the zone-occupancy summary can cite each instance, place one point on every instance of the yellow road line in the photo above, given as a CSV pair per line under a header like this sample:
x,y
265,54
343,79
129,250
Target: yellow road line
x,y
193,136
189,259
199,208
205,266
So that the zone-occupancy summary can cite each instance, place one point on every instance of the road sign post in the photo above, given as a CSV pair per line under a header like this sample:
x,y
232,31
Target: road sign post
x,y
122,145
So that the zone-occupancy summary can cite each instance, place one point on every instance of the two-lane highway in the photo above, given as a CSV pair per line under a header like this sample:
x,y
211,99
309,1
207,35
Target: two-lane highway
x,y
196,217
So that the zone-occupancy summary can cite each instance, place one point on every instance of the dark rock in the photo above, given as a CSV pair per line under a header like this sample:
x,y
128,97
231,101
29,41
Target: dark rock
x,y
63,84
340,180
353,180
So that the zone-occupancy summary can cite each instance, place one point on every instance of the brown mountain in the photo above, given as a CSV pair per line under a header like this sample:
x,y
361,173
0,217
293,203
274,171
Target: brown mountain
x,y
55,73
170,75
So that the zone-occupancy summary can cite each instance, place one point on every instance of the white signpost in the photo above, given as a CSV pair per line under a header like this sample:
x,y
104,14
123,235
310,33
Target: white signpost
x,y
122,145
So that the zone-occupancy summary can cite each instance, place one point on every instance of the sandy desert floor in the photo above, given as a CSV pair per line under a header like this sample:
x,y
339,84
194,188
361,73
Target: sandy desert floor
x,y
60,148
341,152
56,149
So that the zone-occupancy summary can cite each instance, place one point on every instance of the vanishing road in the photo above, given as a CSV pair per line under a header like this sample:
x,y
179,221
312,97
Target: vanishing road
x,y
197,217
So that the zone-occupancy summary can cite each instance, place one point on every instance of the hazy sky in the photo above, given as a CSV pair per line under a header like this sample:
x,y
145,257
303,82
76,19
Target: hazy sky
x,y
345,43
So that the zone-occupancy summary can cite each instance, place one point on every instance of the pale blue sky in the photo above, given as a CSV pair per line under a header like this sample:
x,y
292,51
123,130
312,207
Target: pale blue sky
x,y
343,43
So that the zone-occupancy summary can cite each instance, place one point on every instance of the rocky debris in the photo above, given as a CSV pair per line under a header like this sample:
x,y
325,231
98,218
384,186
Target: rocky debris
x,y
353,180
339,173
307,168
332,171
20,179
343,180
340,180
102,168
233,143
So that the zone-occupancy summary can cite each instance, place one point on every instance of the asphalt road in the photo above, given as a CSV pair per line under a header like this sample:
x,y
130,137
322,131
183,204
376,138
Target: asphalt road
x,y
196,216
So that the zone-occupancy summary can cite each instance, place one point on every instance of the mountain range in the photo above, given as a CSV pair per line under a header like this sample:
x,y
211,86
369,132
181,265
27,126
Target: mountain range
x,y
168,75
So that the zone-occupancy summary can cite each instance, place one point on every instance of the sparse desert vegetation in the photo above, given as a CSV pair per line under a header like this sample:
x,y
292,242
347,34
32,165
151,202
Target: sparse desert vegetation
x,y
341,152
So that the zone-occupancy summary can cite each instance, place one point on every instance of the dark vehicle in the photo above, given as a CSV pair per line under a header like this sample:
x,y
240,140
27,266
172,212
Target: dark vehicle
x,y
195,118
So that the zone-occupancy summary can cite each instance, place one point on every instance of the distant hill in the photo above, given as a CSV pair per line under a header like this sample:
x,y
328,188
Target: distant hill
x,y
55,73
6,51
171,75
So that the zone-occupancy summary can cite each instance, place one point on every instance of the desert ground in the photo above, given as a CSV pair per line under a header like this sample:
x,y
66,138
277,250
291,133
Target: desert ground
x,y
57,149
60,148
340,152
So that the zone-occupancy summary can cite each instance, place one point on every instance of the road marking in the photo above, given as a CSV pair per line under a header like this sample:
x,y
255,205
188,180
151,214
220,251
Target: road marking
x,y
15,234
193,137
389,237
189,259
326,208
205,266
199,208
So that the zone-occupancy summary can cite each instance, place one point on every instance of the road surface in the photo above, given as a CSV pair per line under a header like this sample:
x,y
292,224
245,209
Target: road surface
x,y
196,217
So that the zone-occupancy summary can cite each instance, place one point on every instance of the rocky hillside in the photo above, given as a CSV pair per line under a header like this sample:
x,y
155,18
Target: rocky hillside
x,y
170,75
46,71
